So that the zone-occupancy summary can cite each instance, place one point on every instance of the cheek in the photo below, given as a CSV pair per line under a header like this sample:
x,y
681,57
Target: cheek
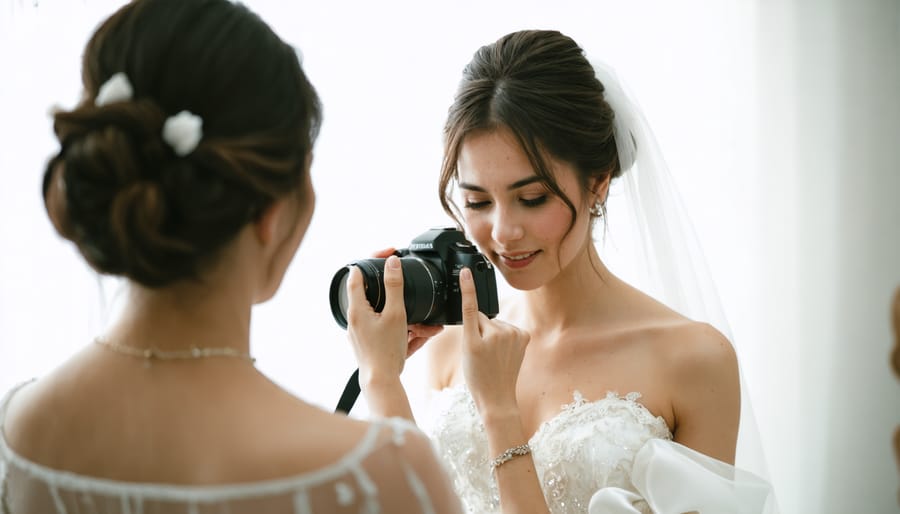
x,y
573,242
478,229
553,223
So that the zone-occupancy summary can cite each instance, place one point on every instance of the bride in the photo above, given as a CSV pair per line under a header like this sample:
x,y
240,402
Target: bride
x,y
590,395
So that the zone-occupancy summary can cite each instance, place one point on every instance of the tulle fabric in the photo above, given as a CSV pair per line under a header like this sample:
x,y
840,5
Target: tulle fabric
x,y
651,243
392,469
670,478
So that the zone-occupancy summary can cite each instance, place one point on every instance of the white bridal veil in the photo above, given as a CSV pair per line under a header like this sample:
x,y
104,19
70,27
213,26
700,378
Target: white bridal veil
x,y
651,240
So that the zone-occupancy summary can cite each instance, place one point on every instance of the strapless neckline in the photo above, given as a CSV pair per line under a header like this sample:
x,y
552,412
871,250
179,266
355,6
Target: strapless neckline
x,y
586,446
578,403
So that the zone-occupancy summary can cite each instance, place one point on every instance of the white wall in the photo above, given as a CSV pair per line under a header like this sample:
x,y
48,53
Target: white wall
x,y
829,125
777,118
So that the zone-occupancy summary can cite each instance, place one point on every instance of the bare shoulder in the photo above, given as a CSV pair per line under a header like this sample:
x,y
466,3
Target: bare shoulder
x,y
23,422
307,437
444,353
693,347
702,372
686,347
37,415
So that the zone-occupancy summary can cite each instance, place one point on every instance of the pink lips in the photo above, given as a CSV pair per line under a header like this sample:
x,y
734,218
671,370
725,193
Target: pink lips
x,y
518,260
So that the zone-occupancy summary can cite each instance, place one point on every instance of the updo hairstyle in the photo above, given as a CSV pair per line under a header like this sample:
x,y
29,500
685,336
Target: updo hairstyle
x,y
540,86
119,192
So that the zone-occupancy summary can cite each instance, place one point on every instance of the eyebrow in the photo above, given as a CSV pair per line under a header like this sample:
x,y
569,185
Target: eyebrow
x,y
515,185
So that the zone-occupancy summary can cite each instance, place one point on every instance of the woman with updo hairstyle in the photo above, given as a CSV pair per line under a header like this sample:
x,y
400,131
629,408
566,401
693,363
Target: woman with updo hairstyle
x,y
586,394
185,170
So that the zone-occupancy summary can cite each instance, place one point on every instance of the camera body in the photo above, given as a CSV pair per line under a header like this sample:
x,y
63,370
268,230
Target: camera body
x,y
431,265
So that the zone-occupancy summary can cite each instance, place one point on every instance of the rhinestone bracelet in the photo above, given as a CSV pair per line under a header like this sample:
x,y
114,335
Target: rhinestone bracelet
x,y
510,454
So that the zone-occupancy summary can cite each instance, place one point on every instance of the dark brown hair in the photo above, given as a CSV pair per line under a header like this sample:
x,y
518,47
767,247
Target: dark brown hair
x,y
120,193
540,86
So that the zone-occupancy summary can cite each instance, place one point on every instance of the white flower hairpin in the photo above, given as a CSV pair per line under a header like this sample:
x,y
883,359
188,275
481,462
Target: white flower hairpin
x,y
182,131
116,89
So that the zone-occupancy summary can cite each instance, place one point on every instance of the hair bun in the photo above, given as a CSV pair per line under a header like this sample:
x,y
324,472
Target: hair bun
x,y
153,201
108,201
139,217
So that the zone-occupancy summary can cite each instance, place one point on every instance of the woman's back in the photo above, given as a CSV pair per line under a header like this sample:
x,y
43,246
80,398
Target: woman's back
x,y
99,436
184,169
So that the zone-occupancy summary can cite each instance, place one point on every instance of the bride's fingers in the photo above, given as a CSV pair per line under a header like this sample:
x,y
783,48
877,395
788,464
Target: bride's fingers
x,y
470,314
417,335
394,306
415,345
356,295
383,254
425,331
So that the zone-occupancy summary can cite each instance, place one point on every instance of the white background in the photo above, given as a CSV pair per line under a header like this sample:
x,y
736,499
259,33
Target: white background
x,y
780,122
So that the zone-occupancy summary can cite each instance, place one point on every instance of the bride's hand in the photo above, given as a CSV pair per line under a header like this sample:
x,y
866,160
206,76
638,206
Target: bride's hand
x,y
492,352
417,334
379,339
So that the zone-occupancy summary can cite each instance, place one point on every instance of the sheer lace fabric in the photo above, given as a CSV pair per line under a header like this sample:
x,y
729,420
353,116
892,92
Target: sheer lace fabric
x,y
391,470
587,446
609,456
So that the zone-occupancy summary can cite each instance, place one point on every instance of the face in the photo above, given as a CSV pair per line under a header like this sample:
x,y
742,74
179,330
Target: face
x,y
513,218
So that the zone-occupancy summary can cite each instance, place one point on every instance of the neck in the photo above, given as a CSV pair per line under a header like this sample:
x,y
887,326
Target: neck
x,y
187,314
573,297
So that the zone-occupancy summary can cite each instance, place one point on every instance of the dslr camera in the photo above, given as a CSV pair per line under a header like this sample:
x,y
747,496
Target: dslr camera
x,y
431,267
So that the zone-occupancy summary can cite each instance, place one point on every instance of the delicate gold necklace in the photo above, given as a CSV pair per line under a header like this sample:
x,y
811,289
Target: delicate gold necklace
x,y
194,352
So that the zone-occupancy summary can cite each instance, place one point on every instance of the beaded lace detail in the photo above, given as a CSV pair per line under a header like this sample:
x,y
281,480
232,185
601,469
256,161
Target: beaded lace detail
x,y
587,446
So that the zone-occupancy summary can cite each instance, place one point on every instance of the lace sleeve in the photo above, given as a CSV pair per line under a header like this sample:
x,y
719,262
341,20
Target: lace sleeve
x,y
423,476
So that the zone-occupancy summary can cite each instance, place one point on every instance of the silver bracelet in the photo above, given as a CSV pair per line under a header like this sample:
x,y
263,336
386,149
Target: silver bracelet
x,y
510,454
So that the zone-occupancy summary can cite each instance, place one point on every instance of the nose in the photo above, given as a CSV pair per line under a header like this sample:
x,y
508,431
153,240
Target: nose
x,y
507,226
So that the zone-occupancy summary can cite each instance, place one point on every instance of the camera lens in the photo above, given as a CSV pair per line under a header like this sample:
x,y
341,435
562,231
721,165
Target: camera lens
x,y
424,292
372,281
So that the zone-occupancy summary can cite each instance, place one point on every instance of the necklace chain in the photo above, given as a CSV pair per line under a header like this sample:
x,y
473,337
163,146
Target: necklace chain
x,y
194,352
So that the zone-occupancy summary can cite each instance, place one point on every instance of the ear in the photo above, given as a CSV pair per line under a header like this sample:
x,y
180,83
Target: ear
x,y
267,225
599,187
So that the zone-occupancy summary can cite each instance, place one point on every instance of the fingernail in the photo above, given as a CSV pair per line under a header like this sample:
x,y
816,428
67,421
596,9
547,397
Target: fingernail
x,y
393,262
465,274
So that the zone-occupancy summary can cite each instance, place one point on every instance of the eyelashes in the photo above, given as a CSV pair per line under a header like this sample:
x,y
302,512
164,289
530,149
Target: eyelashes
x,y
476,205
534,202
527,202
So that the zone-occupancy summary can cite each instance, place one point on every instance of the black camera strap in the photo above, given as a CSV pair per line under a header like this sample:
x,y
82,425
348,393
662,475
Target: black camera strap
x,y
351,393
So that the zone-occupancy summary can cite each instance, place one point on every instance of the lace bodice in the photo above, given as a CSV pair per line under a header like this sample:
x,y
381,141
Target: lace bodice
x,y
391,470
587,446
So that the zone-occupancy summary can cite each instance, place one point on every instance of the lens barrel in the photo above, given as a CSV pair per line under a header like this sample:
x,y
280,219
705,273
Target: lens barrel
x,y
424,291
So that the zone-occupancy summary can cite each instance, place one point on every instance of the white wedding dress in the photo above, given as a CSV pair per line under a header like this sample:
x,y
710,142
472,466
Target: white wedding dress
x,y
391,470
609,455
